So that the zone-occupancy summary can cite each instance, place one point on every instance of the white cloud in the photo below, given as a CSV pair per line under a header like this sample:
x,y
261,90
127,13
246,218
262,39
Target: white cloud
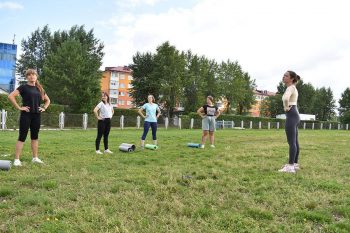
x,y
11,5
266,37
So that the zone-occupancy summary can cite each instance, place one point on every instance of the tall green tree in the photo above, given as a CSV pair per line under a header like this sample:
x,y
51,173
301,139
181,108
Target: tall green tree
x,y
73,77
306,97
143,82
344,102
235,86
324,106
35,49
245,104
169,68
82,51
199,81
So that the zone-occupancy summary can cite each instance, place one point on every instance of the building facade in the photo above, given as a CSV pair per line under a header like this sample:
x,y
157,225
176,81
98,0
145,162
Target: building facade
x,y
8,53
116,81
260,95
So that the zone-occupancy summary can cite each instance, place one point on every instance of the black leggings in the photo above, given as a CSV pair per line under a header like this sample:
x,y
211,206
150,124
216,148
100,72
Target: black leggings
x,y
28,121
292,123
103,128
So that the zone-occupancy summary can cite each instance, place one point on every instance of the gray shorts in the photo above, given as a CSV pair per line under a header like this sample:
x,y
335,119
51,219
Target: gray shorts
x,y
208,123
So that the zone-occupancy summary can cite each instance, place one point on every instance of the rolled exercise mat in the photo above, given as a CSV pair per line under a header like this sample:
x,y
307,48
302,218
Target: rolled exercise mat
x,y
132,146
151,146
5,165
125,148
194,145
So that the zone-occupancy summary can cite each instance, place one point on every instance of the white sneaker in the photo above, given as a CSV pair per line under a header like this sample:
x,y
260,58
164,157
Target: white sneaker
x,y
17,163
37,160
212,146
99,152
108,151
201,146
287,168
296,166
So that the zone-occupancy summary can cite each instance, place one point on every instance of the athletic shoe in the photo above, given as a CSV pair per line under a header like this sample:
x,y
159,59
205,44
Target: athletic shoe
x,y
37,160
296,166
212,146
17,163
99,152
287,168
201,146
108,151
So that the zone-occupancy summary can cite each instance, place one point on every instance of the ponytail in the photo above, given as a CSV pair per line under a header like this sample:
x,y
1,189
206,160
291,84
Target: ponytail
x,y
294,76
41,89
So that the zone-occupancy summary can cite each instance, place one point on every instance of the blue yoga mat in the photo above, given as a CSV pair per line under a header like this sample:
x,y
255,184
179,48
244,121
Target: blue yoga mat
x,y
194,145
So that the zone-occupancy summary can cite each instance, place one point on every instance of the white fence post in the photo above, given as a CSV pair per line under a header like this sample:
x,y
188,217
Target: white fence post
x,y
232,124
304,125
85,120
122,121
259,124
3,119
250,124
321,127
338,126
347,126
179,122
278,125
313,125
223,124
268,125
242,124
61,120
166,122
138,122
330,125
192,122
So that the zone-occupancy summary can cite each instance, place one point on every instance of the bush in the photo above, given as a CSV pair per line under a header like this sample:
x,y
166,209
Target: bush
x,y
345,119
57,109
6,104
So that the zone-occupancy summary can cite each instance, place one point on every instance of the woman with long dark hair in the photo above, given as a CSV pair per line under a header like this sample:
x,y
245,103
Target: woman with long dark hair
x,y
290,101
103,112
32,94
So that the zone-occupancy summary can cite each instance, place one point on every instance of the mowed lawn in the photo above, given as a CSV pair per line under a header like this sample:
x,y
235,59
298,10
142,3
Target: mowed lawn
x,y
232,188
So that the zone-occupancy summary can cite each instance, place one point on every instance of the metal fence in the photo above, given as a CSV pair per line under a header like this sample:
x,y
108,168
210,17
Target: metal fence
x,y
9,120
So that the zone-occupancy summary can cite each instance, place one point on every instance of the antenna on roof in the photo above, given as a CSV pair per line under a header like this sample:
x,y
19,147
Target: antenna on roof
x,y
14,37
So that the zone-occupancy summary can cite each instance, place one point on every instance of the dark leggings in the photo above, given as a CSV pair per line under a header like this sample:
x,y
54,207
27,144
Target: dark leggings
x,y
292,123
28,121
146,126
103,128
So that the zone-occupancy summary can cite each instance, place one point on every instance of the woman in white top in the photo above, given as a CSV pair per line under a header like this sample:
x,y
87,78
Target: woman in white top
x,y
103,112
290,100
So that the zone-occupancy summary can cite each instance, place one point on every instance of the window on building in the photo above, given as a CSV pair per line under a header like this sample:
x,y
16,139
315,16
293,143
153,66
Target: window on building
x,y
121,102
121,76
129,102
130,77
122,85
129,85
113,100
122,93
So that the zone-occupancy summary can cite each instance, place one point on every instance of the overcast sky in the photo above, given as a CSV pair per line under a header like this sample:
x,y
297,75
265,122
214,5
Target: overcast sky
x,y
266,37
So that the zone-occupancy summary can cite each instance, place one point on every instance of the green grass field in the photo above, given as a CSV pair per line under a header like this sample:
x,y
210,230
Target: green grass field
x,y
232,188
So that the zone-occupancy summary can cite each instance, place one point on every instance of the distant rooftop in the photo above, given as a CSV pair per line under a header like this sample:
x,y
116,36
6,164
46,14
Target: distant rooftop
x,y
124,69
264,92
